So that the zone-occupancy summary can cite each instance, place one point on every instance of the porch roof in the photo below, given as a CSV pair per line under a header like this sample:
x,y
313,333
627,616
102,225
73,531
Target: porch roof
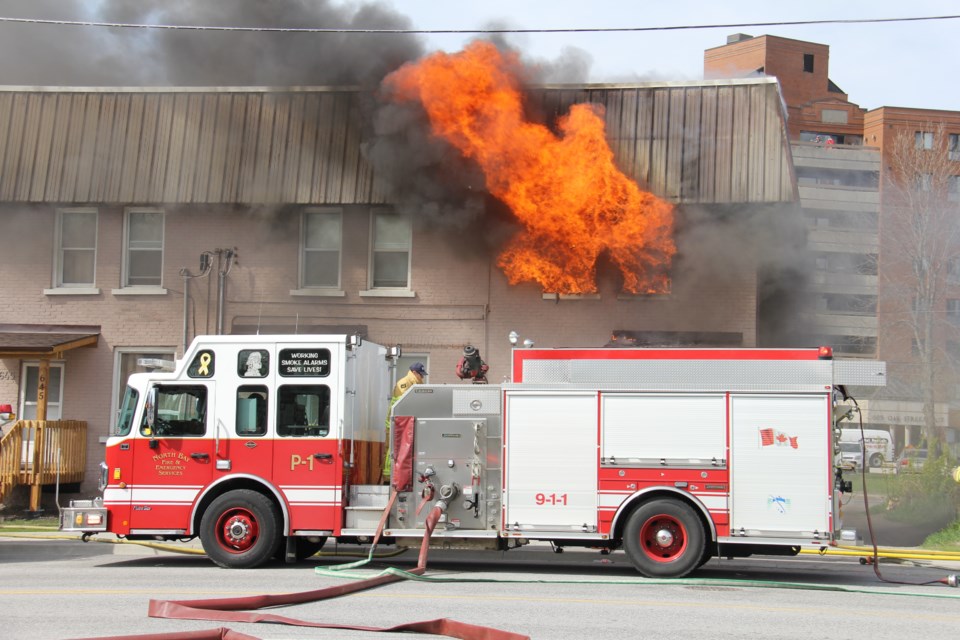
x,y
45,340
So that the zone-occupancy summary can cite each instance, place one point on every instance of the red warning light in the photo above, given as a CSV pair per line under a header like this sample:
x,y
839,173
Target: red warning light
x,y
826,353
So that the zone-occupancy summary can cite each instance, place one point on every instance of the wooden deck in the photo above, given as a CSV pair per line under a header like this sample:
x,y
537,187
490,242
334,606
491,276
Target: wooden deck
x,y
33,452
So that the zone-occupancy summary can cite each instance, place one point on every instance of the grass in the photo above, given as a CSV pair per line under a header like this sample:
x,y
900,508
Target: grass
x,y
878,484
29,525
947,539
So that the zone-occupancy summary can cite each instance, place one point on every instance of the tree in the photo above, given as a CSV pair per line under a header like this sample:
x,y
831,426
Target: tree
x,y
920,230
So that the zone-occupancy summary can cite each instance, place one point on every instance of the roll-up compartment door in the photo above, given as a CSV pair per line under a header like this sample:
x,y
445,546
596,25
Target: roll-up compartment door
x,y
551,461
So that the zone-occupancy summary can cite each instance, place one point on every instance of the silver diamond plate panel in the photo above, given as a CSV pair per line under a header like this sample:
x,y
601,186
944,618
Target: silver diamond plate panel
x,y
685,375
478,400
864,373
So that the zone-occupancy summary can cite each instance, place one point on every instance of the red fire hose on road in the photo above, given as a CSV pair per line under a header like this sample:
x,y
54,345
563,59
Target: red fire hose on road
x,y
239,609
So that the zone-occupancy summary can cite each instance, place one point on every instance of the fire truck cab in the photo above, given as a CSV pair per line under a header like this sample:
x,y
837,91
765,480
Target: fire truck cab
x,y
250,440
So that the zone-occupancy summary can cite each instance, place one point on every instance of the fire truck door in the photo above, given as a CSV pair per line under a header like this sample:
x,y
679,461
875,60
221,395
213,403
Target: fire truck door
x,y
174,459
307,465
780,464
551,461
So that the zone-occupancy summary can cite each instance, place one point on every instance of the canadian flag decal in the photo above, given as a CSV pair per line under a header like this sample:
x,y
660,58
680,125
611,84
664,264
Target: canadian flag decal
x,y
774,438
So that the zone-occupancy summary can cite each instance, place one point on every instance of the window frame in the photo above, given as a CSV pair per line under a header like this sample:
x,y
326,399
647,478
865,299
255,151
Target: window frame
x,y
304,249
923,140
953,311
374,251
58,258
125,269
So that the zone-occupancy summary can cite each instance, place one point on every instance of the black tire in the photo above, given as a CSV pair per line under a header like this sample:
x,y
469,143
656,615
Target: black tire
x,y
665,539
306,547
876,460
240,529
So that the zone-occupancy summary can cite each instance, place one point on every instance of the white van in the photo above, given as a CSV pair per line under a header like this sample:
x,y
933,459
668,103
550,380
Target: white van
x,y
878,444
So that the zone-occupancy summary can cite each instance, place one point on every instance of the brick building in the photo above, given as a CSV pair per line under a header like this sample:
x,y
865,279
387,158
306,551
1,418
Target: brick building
x,y
869,289
135,219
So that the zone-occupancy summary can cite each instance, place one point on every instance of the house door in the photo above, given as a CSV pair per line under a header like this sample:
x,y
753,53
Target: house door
x,y
30,382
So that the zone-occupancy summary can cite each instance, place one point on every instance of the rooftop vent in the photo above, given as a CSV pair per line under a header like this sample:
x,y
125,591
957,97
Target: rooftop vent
x,y
738,37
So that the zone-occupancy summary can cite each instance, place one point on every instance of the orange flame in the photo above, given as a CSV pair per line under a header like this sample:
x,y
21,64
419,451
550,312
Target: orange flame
x,y
565,189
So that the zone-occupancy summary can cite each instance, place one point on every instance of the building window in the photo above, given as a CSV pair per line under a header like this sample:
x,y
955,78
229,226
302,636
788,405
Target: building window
x,y
808,62
924,182
953,270
923,139
76,248
953,146
143,248
321,239
129,360
953,311
953,351
392,243
953,188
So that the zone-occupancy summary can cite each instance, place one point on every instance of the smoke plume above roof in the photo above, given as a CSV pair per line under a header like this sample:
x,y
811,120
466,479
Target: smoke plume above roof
x,y
98,56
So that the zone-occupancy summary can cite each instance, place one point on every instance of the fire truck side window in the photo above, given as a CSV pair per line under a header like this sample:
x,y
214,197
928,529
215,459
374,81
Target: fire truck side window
x,y
125,417
252,410
303,410
181,412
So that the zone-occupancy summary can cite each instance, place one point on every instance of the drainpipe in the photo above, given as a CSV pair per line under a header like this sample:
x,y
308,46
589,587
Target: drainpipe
x,y
187,277
225,261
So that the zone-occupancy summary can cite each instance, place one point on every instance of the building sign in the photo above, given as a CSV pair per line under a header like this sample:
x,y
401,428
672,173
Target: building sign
x,y
908,414
304,362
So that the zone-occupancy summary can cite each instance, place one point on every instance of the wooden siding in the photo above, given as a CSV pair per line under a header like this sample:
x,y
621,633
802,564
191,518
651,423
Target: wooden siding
x,y
710,142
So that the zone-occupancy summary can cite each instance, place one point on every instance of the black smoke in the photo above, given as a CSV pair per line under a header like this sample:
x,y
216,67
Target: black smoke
x,y
62,55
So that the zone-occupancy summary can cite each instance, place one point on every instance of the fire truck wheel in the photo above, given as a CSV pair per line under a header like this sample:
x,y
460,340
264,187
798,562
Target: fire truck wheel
x,y
306,547
664,539
239,530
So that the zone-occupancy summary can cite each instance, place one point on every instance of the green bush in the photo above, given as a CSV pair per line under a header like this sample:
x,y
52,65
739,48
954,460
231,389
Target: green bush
x,y
928,496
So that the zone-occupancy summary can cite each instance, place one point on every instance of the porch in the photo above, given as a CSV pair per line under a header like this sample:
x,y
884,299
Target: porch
x,y
42,452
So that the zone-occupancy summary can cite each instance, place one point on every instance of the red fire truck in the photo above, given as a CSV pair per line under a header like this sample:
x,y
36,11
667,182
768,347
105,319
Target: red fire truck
x,y
267,446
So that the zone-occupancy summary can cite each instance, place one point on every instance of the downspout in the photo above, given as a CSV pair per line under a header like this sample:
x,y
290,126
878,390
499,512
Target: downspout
x,y
225,261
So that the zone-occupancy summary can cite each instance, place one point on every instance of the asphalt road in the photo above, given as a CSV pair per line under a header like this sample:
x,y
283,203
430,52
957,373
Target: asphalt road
x,y
60,589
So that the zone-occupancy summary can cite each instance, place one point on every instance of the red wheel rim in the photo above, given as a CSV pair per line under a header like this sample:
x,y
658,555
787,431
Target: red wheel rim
x,y
663,538
237,530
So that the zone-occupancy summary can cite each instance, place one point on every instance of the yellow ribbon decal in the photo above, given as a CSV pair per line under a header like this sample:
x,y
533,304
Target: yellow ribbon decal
x,y
204,363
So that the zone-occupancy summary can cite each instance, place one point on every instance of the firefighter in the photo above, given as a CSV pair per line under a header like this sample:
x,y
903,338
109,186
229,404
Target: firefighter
x,y
414,376
471,366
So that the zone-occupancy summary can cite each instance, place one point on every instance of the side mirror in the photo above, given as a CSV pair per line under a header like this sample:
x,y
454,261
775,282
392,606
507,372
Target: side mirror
x,y
150,416
150,408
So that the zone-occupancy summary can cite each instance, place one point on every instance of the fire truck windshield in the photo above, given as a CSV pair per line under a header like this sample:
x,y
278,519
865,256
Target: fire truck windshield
x,y
125,414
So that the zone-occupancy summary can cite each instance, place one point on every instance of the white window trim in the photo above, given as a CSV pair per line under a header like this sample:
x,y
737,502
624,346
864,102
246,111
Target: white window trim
x,y
115,384
125,266
318,290
388,292
57,285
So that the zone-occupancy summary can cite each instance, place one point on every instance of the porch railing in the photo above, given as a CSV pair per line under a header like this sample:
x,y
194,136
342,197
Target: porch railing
x,y
34,451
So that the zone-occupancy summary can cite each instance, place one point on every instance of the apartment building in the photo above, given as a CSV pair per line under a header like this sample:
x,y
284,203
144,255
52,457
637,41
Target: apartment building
x,y
852,183
135,219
